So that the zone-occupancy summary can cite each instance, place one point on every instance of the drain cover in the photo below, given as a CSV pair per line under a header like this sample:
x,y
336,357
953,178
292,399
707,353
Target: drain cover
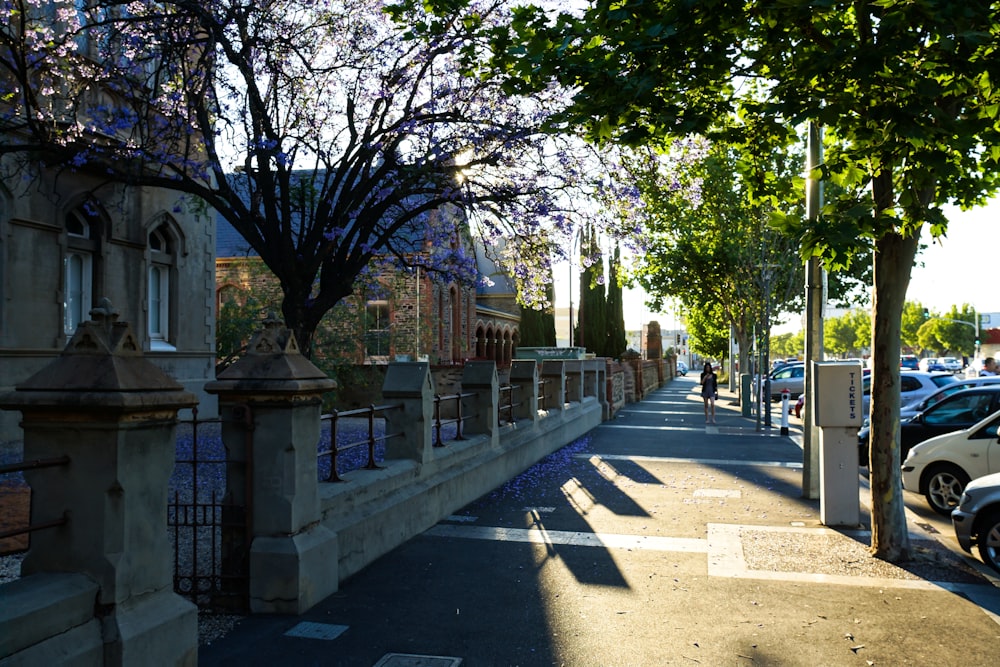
x,y
308,630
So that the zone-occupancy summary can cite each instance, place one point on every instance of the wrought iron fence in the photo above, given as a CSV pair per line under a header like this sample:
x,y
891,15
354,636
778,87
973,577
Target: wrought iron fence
x,y
7,542
335,442
507,404
208,520
441,403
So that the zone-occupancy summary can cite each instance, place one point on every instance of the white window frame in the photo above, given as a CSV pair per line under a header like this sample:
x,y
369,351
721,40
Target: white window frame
x,y
379,330
159,280
77,297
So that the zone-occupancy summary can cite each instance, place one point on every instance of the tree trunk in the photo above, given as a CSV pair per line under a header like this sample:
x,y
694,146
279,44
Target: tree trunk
x,y
894,255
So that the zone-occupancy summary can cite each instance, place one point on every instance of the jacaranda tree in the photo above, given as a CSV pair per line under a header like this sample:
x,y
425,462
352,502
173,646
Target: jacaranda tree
x,y
316,129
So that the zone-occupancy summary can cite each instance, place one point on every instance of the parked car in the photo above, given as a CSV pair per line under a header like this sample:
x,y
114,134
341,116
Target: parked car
x,y
956,412
940,467
791,377
977,519
915,407
913,386
951,364
930,364
909,362
682,368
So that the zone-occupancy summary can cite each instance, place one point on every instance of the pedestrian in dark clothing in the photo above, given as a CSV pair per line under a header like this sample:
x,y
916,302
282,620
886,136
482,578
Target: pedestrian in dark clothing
x,y
709,392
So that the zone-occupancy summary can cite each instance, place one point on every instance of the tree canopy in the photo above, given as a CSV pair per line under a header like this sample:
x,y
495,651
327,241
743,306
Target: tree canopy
x,y
319,131
905,90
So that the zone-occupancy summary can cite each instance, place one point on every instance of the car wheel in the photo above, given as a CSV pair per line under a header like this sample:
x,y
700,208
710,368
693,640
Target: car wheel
x,y
945,484
989,539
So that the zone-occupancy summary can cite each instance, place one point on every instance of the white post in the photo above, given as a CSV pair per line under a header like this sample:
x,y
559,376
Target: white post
x,y
784,411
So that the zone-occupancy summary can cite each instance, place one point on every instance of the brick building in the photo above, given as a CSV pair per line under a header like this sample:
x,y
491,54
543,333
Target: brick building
x,y
400,315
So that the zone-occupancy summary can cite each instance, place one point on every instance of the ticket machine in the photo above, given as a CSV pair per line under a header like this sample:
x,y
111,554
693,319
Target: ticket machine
x,y
837,412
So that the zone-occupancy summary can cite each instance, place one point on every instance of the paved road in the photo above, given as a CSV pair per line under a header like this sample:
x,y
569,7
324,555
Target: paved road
x,y
654,540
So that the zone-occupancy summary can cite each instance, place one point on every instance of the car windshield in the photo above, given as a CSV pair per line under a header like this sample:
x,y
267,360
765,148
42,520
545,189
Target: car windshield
x,y
942,380
964,409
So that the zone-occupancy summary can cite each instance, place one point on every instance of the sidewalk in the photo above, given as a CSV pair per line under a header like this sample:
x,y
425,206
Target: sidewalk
x,y
655,540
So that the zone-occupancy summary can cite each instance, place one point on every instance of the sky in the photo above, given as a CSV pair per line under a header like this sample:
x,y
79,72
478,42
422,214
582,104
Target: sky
x,y
960,268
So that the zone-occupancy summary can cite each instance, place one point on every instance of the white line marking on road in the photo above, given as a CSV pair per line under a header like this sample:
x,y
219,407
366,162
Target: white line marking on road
x,y
649,428
792,465
572,538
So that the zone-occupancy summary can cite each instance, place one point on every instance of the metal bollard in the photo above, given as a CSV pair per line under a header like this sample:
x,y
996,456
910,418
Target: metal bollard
x,y
784,411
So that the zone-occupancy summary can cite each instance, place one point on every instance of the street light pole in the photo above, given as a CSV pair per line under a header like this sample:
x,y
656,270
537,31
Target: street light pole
x,y
815,279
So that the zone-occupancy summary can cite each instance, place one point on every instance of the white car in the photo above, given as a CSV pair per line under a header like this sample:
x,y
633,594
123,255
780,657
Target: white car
x,y
951,364
913,386
940,467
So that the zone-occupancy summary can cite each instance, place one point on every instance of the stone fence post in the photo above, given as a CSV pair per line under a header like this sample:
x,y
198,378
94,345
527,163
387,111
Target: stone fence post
x,y
289,548
409,384
113,413
524,377
554,376
480,410
573,369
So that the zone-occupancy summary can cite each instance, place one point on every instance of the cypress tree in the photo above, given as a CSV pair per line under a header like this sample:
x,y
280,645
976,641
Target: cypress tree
x,y
615,345
538,327
593,301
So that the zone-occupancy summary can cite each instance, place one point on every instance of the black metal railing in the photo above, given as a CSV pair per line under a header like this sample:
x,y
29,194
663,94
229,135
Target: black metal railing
x,y
372,439
507,404
27,529
441,402
541,393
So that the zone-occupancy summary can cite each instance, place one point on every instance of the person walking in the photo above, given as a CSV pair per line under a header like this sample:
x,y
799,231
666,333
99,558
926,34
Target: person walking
x,y
989,367
709,392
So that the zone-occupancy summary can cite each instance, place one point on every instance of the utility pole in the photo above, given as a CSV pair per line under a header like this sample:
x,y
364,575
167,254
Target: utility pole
x,y
815,303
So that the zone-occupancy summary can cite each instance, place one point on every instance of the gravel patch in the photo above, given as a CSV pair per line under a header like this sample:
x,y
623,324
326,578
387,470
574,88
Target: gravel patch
x,y
840,554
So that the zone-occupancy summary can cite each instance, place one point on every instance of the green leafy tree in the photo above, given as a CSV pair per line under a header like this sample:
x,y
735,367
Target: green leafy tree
x,y
786,345
720,255
906,91
708,334
839,335
912,319
952,333
862,322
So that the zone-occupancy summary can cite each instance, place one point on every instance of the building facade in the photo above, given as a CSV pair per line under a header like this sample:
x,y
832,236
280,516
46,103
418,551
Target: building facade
x,y
68,242
399,315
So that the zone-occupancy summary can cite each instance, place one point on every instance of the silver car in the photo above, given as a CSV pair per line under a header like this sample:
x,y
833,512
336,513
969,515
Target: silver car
x,y
791,377
977,519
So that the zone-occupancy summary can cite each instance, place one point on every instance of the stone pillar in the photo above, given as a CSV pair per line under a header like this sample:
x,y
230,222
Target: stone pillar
x,y
114,414
554,376
410,385
524,376
654,341
591,369
574,380
479,378
293,557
